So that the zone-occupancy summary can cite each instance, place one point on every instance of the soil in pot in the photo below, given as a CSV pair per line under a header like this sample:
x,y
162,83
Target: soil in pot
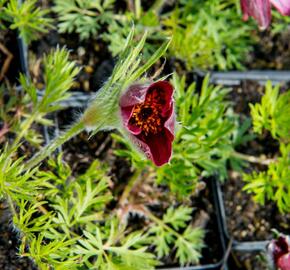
x,y
271,52
9,244
9,57
247,261
247,220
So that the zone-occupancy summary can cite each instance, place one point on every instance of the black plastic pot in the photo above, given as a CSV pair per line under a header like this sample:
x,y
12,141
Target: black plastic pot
x,y
232,78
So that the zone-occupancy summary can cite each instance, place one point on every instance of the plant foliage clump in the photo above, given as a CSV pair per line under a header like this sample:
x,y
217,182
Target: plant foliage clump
x,y
273,184
210,34
66,221
28,19
84,17
273,113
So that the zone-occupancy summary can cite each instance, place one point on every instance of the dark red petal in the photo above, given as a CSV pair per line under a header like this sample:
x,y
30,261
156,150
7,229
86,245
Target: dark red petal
x,y
283,6
260,10
160,146
278,248
166,90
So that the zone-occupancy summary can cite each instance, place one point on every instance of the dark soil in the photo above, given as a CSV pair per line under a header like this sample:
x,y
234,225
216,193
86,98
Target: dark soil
x,y
9,243
248,261
271,52
8,41
247,220
92,56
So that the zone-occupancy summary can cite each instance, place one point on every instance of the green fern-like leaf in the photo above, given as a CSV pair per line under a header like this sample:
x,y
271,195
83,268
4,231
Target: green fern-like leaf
x,y
272,113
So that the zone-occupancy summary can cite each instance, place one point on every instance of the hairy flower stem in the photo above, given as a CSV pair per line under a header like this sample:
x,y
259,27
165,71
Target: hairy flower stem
x,y
48,149
253,159
132,182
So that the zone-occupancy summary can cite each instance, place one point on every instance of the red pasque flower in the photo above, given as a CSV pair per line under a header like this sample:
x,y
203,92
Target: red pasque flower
x,y
148,115
260,10
279,251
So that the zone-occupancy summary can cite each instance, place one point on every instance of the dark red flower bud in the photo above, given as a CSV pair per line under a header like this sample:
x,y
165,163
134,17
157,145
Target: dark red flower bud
x,y
148,115
279,251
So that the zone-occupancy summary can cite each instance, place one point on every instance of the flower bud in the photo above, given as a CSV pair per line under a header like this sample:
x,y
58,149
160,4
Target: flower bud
x,y
147,113
279,252
260,10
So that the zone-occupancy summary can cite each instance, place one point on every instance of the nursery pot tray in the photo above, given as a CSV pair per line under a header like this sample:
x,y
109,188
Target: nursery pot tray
x,y
248,245
237,245
232,78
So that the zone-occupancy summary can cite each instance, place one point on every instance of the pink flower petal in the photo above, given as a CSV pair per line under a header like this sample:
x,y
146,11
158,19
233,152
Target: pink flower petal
x,y
283,262
283,6
135,94
260,10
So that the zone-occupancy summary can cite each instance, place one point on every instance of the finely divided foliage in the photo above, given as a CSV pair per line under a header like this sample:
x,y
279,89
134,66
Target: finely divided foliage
x,y
70,221
84,17
272,114
29,20
187,245
273,184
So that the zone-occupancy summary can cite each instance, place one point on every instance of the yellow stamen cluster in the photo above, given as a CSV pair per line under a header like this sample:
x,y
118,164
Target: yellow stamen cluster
x,y
147,115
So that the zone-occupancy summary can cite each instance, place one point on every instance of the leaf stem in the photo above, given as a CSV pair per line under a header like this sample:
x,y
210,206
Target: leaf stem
x,y
26,125
4,130
49,148
253,159
12,207
160,222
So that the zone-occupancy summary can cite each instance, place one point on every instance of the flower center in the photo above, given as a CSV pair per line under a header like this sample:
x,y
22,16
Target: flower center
x,y
147,115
